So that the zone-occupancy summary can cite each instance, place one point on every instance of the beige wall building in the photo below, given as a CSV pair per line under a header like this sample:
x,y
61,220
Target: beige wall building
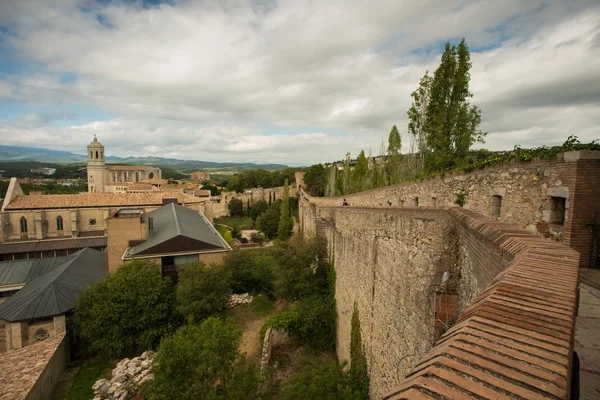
x,y
104,178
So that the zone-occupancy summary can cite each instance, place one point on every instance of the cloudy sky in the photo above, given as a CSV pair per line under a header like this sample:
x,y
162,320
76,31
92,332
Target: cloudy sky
x,y
286,81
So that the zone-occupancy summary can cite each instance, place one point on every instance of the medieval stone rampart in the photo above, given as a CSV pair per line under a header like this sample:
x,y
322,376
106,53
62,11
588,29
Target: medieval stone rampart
x,y
514,291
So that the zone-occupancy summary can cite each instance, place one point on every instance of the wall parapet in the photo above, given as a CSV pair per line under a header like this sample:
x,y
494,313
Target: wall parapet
x,y
516,338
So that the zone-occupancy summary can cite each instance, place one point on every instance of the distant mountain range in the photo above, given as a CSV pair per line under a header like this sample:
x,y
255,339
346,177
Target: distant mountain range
x,y
18,153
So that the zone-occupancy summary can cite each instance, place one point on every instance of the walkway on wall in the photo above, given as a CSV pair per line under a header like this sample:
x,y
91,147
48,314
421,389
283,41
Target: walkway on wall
x,y
587,341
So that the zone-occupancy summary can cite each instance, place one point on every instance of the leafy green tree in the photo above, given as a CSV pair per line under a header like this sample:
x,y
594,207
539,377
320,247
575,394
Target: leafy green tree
x,y
315,180
262,274
130,310
202,291
268,222
377,177
236,208
294,277
203,362
417,117
214,191
286,223
452,124
359,175
240,266
393,159
258,208
321,382
318,320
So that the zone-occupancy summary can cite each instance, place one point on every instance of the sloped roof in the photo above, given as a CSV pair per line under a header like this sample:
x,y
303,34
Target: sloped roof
x,y
172,222
22,271
49,201
54,293
52,244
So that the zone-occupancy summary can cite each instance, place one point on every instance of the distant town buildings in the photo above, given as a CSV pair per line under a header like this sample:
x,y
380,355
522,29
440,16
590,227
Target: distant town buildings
x,y
201,176
44,171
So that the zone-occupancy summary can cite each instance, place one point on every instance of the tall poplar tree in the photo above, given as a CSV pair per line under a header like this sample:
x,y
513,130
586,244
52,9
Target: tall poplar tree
x,y
286,223
451,124
359,175
417,114
392,161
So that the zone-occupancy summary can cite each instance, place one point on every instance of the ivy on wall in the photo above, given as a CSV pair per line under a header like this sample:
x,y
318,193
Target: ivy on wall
x,y
358,362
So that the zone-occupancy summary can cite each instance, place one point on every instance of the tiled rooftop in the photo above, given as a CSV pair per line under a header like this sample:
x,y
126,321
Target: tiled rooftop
x,y
21,368
514,341
97,200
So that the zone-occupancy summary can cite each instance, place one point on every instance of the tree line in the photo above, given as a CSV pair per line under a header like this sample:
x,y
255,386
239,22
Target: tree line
x,y
260,178
443,125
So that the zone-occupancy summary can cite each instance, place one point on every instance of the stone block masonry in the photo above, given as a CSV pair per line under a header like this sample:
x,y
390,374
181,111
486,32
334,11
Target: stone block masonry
x,y
516,296
552,198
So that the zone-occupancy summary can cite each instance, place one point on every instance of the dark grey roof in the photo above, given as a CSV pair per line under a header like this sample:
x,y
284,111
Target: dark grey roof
x,y
54,293
22,271
171,222
51,244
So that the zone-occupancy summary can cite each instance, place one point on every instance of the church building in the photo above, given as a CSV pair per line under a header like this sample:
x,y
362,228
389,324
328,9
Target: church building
x,y
104,178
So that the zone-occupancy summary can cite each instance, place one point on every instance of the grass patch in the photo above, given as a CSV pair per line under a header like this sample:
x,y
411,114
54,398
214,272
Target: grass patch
x,y
262,305
241,222
90,372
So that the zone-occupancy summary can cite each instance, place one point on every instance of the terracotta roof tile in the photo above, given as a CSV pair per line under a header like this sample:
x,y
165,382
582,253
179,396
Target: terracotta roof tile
x,y
97,200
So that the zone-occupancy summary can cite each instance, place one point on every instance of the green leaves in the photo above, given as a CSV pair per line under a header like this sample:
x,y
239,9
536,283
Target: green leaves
x,y
286,223
202,291
128,311
203,362
392,162
315,180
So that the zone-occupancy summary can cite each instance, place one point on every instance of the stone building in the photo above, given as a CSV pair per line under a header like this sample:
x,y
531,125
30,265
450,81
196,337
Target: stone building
x,y
39,226
168,236
115,178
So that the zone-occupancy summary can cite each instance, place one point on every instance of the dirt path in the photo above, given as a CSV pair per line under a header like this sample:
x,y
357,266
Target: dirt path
x,y
250,338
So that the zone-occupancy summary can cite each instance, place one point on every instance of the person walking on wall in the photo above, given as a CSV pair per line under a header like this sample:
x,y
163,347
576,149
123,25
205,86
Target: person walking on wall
x,y
345,203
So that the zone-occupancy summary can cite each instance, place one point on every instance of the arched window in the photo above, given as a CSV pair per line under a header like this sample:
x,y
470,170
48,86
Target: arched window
x,y
151,175
96,154
59,223
23,225
91,154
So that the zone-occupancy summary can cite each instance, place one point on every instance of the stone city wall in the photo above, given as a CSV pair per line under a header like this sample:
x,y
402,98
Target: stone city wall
x,y
525,194
387,262
253,195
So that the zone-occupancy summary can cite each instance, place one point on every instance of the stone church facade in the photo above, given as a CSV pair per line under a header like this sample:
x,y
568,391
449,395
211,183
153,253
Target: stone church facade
x,y
104,178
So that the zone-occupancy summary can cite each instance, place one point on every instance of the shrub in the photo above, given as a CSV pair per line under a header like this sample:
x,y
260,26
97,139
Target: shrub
x,y
202,291
224,232
268,222
263,273
131,310
294,277
321,382
203,362
258,237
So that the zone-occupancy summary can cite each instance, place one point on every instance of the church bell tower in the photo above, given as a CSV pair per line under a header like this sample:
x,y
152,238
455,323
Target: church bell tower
x,y
95,166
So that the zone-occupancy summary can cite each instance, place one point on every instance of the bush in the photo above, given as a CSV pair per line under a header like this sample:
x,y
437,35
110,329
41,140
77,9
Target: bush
x,y
236,208
129,311
224,232
321,382
263,273
202,291
288,321
257,237
203,362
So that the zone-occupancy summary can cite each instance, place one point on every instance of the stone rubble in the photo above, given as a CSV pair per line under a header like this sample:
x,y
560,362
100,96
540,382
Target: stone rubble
x,y
127,376
237,299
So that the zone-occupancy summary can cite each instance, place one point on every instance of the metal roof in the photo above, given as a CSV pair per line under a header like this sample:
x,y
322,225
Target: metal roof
x,y
54,293
55,244
22,271
174,221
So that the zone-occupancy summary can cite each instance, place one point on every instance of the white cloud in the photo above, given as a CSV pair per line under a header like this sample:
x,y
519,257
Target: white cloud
x,y
197,80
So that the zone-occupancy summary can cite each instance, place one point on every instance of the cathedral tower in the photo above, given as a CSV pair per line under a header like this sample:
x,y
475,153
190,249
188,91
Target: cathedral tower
x,y
95,166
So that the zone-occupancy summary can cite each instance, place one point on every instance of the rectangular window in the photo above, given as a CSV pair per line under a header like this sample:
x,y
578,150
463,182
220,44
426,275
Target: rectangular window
x,y
179,260
558,207
496,206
